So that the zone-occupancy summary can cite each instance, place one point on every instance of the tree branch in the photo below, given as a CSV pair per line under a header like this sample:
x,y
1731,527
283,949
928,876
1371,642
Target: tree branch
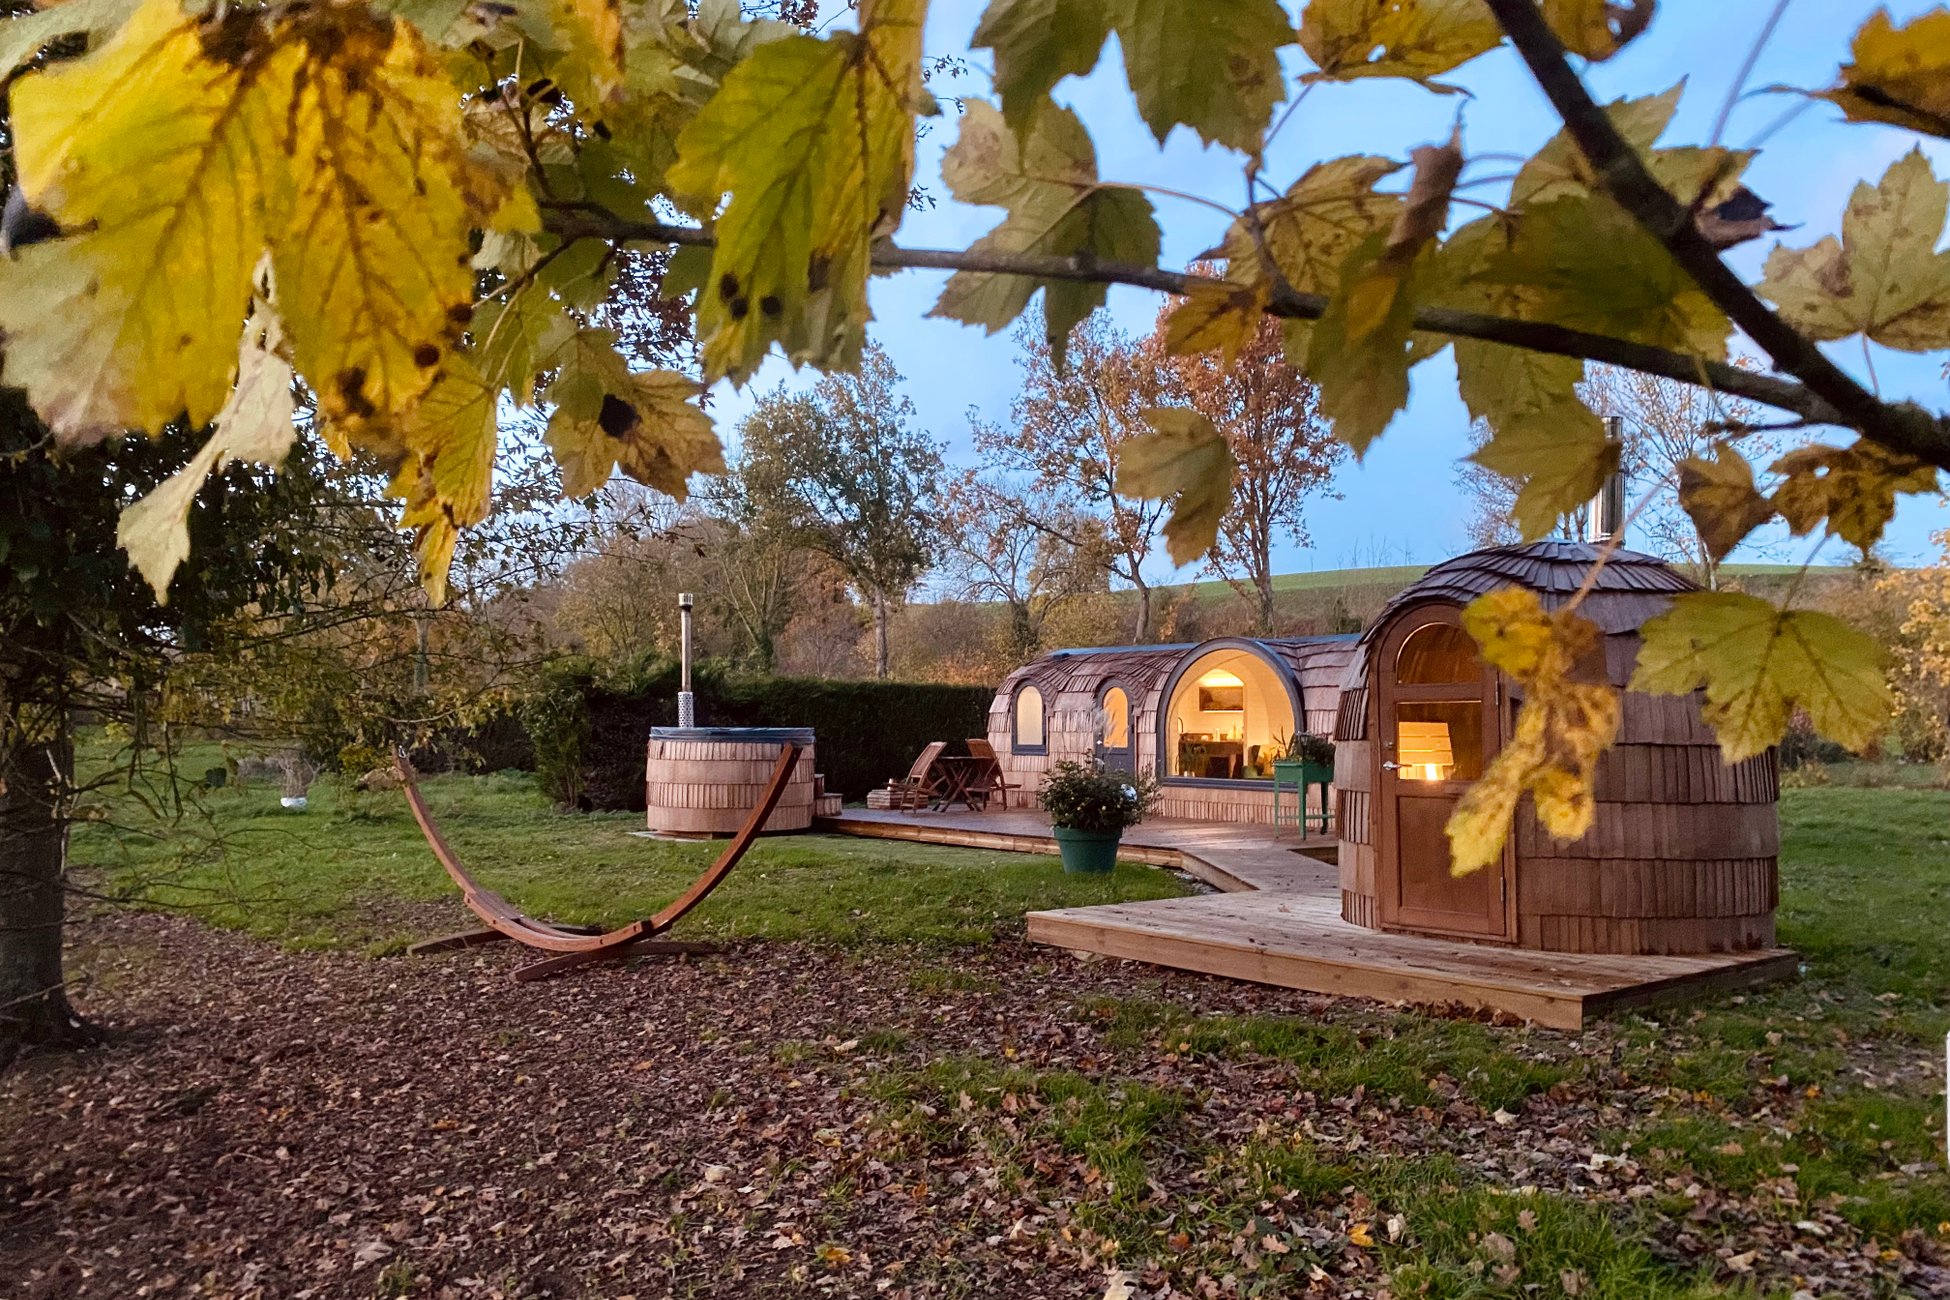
x,y
1923,435
1903,427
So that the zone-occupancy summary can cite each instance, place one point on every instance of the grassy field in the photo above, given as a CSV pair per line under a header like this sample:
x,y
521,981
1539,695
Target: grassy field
x,y
334,875
1397,576
1816,1101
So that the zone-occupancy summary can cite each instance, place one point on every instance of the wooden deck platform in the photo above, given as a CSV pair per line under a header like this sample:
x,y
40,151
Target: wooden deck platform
x,y
1277,921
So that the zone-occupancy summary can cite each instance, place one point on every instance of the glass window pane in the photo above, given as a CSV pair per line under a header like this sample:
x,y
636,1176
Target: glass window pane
x,y
1440,652
1439,740
1029,717
1117,719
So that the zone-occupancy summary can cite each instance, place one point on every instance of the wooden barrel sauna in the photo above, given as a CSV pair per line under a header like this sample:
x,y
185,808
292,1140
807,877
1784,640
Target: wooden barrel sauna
x,y
1683,855
703,781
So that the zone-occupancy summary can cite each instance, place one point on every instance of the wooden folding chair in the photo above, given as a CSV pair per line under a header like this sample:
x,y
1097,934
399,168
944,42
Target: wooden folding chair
x,y
913,791
574,945
994,783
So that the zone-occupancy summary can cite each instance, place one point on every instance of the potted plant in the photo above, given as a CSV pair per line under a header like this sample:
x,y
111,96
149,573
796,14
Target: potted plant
x,y
1089,808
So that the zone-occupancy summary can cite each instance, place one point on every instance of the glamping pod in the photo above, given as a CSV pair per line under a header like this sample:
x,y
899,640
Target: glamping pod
x,y
1204,718
1682,857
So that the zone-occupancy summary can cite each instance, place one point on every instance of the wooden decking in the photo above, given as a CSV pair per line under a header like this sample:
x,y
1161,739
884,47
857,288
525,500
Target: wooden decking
x,y
1278,921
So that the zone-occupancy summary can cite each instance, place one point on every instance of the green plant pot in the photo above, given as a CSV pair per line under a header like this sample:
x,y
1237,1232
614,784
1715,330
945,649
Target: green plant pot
x,y
1087,853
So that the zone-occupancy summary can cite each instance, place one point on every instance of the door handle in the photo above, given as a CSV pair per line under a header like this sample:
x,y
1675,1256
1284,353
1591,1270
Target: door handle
x,y
1391,766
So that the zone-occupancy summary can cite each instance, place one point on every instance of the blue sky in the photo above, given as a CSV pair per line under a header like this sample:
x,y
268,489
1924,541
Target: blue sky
x,y
1400,505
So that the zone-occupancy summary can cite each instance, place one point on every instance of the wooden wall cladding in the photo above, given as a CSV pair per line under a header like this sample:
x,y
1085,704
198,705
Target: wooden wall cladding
x,y
695,787
1683,854
1239,801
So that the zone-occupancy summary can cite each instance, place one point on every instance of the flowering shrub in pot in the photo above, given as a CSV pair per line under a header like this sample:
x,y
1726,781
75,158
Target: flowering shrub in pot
x,y
1089,808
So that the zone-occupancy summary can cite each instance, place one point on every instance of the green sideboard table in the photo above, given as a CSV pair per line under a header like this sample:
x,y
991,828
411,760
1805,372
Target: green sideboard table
x,y
1300,778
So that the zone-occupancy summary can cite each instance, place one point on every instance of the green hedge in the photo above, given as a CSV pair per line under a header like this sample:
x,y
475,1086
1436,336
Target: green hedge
x,y
589,725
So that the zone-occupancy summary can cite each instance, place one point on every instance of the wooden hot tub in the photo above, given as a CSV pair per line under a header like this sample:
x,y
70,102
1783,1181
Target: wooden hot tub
x,y
703,781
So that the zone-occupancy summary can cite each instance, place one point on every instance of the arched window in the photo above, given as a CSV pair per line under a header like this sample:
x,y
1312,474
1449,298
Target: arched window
x,y
1439,653
1029,737
1116,719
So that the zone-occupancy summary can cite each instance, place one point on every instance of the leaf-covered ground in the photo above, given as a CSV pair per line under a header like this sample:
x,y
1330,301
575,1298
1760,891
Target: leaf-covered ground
x,y
899,1097
1000,1121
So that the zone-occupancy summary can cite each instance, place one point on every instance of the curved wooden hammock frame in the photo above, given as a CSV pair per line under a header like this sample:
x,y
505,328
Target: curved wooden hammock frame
x,y
575,946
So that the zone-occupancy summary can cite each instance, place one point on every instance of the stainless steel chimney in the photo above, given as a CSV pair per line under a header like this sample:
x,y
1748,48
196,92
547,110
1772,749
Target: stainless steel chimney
x,y
686,702
1604,518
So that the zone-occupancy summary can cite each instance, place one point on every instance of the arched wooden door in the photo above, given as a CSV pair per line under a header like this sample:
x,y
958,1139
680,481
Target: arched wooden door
x,y
1114,745
1439,718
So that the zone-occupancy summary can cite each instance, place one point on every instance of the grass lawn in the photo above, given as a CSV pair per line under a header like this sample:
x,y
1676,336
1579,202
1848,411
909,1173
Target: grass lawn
x,y
1784,1141
334,875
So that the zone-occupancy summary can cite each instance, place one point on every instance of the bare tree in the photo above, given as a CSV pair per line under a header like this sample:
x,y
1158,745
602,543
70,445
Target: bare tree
x,y
1009,543
1066,437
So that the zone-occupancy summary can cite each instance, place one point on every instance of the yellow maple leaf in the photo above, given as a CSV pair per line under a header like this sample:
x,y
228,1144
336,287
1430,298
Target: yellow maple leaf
x,y
646,423
1899,75
813,139
1759,663
1597,29
146,151
1583,262
1186,457
255,424
1418,39
369,223
1719,495
1559,456
1309,232
1220,317
1567,720
1884,277
1853,488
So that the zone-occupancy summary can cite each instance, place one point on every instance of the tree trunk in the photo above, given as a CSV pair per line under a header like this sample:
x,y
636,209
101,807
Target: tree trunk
x,y
1263,589
1141,629
879,596
34,779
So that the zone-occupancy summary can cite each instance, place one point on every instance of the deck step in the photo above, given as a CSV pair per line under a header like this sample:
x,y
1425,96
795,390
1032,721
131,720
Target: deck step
x,y
1300,942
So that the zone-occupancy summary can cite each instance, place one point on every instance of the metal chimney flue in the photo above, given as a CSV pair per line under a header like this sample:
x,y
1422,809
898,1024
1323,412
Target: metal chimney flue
x,y
686,702
1604,518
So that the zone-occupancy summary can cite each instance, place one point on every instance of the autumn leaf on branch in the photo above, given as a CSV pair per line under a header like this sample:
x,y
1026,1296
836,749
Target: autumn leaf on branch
x,y
1358,350
1758,664
179,153
1233,44
1562,728
1047,179
1720,497
255,424
813,142
1900,75
1560,456
1853,488
1184,457
608,417
1884,277
1303,238
1417,39
1598,29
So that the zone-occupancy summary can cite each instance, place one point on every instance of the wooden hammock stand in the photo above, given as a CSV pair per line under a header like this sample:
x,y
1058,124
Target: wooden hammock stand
x,y
575,946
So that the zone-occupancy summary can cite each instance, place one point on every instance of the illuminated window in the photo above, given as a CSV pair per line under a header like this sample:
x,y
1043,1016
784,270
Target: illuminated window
x,y
1029,720
1117,719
